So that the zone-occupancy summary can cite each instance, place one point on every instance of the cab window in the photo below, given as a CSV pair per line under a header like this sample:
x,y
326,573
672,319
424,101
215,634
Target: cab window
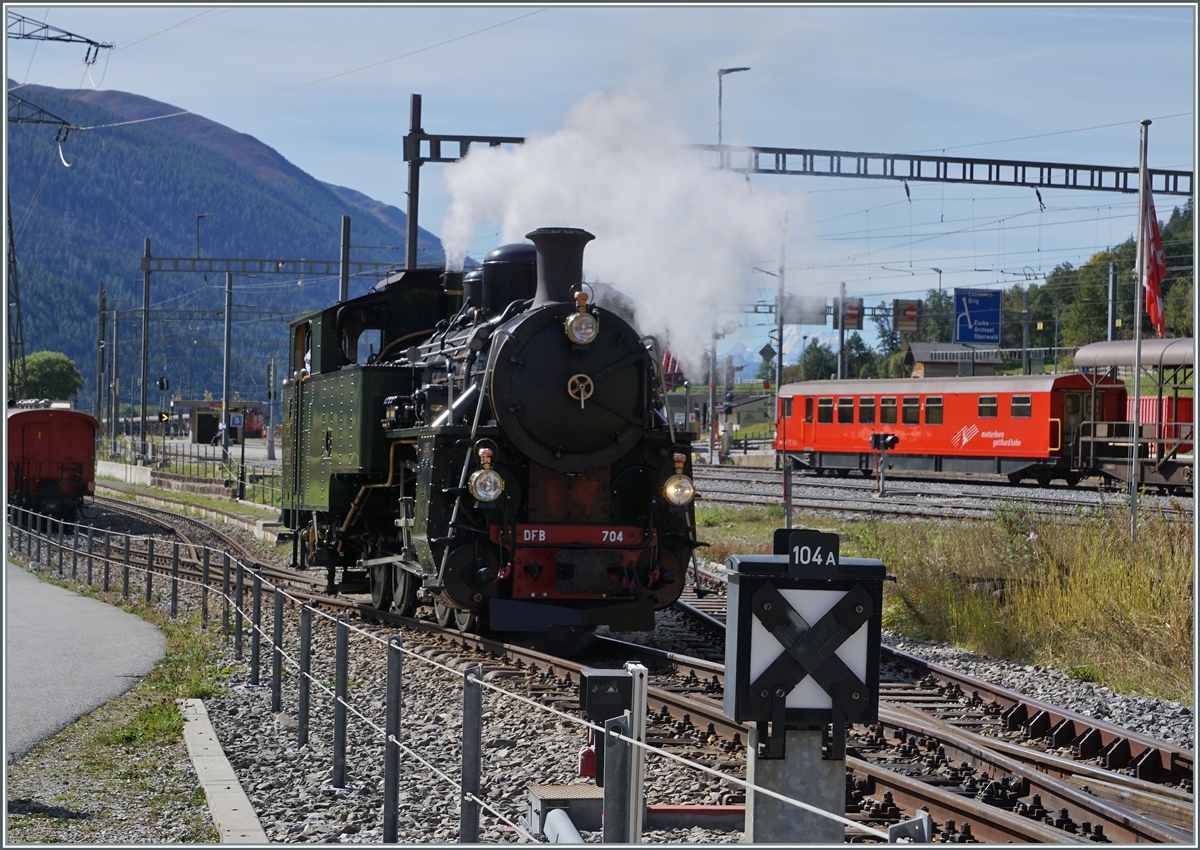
x,y
786,404
845,409
912,410
866,410
1022,406
1087,405
933,410
887,410
808,410
987,407
1072,403
825,411
302,348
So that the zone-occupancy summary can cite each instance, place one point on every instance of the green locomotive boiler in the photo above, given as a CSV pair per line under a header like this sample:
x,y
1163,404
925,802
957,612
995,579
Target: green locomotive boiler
x,y
494,445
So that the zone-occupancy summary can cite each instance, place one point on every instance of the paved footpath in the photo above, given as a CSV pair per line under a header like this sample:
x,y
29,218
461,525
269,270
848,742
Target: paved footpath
x,y
64,656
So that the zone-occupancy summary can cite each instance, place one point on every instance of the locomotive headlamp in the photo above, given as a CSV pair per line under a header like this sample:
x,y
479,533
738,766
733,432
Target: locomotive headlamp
x,y
581,326
485,483
679,489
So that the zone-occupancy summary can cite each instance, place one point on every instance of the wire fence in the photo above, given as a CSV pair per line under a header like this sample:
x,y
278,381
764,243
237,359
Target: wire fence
x,y
99,558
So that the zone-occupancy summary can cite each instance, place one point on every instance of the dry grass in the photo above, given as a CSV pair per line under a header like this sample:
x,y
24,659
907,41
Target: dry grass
x,y
1069,592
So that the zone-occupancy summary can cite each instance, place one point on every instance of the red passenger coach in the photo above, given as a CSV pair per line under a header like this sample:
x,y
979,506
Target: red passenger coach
x,y
51,460
1022,426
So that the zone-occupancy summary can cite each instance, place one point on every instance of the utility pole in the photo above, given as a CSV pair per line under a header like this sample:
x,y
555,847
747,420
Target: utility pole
x,y
779,309
98,402
1112,301
712,398
145,348
115,392
271,383
1025,331
841,309
225,370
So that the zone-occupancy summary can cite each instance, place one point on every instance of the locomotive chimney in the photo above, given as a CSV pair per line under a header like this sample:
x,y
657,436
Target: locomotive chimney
x,y
559,262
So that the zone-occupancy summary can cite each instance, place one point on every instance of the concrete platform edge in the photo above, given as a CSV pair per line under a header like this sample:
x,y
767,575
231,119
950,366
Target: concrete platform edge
x,y
231,811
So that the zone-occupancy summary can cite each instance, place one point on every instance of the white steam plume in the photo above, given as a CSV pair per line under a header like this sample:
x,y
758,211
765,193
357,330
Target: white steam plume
x,y
675,236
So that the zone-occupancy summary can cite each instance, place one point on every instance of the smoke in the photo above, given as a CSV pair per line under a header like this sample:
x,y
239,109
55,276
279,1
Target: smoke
x,y
676,237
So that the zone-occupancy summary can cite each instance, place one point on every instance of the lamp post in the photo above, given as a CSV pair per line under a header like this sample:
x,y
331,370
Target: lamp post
x,y
198,217
803,345
720,94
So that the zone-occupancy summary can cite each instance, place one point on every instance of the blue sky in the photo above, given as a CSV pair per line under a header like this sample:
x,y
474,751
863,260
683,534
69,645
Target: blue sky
x,y
329,89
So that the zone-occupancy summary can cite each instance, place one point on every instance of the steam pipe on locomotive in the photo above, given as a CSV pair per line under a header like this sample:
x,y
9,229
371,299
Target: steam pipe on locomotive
x,y
572,503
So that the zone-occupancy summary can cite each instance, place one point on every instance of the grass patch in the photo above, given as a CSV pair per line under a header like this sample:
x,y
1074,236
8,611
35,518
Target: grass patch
x,y
126,755
1068,592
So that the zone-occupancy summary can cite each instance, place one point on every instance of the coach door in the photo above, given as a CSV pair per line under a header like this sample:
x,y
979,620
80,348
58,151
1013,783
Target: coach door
x,y
1076,408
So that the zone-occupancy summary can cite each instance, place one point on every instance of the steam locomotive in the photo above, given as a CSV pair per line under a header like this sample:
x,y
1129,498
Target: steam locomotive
x,y
492,444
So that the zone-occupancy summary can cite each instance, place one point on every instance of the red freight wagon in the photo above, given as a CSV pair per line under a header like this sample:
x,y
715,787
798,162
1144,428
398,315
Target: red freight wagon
x,y
1022,426
51,460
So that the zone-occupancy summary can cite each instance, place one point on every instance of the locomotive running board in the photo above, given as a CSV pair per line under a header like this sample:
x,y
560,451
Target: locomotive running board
x,y
515,615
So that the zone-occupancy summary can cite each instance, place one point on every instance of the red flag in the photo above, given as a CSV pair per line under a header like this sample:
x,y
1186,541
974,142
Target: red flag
x,y
1156,266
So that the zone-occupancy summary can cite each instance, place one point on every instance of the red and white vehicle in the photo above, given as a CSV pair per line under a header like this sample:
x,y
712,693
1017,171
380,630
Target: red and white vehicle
x,y
1022,426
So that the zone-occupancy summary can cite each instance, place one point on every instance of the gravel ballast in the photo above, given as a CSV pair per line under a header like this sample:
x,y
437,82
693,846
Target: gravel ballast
x,y
290,786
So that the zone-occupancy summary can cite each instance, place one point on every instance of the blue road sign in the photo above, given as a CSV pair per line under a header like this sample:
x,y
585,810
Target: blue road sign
x,y
235,420
977,315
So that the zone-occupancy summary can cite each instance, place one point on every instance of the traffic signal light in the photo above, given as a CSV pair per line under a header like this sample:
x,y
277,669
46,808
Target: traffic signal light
x,y
163,416
884,442
163,384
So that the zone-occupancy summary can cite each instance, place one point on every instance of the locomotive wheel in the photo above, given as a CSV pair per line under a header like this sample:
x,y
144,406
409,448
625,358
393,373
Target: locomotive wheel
x,y
1073,478
381,586
1043,478
404,592
466,620
443,614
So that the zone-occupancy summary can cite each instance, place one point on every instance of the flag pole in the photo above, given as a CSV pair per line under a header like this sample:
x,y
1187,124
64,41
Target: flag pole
x,y
1139,294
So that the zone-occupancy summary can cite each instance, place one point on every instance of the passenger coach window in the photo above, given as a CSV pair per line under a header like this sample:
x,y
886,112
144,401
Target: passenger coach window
x,y
808,410
887,411
825,411
987,407
1022,406
845,411
933,410
866,411
912,410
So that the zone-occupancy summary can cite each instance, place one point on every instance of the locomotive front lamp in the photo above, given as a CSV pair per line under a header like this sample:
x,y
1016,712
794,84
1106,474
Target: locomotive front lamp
x,y
486,484
679,489
581,326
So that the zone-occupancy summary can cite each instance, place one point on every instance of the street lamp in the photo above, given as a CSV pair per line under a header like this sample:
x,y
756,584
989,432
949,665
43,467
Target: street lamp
x,y
720,87
198,217
803,344
939,271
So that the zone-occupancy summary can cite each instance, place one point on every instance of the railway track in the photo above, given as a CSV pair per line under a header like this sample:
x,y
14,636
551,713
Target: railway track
x,y
919,498
989,764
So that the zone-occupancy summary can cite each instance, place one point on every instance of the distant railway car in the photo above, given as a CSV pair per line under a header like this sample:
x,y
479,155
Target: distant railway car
x,y
51,460
1022,426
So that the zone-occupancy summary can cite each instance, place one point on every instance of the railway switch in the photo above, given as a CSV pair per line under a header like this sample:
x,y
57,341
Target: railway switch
x,y
802,661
